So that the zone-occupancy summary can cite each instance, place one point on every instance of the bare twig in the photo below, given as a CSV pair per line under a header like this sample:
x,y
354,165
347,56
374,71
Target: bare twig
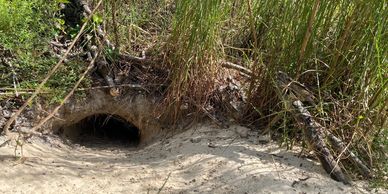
x,y
14,76
164,184
17,94
135,86
239,68
20,89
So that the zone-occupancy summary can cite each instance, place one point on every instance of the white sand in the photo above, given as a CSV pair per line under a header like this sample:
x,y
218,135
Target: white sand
x,y
183,163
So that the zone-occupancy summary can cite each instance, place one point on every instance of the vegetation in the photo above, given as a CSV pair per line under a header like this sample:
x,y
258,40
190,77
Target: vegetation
x,y
26,29
337,49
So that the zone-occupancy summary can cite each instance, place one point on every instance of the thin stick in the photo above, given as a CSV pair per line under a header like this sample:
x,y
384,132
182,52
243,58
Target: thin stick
x,y
20,89
239,68
52,71
114,23
133,86
18,93
164,184
40,124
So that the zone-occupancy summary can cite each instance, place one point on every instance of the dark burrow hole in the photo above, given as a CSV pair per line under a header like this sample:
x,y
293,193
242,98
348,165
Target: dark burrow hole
x,y
103,130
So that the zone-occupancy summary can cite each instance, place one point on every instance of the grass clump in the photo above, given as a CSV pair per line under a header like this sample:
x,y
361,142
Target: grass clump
x,y
26,29
138,24
338,50
193,49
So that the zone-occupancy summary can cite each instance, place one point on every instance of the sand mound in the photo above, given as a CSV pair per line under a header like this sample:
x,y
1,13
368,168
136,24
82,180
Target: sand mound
x,y
204,159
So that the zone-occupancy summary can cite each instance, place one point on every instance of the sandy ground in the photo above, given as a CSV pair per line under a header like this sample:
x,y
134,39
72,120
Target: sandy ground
x,y
204,159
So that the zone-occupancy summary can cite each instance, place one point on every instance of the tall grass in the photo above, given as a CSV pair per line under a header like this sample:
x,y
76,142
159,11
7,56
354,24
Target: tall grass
x,y
338,49
140,23
193,49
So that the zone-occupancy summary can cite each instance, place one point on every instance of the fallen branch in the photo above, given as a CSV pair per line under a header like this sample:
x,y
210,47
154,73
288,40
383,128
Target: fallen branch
x,y
315,138
134,59
314,132
340,147
99,31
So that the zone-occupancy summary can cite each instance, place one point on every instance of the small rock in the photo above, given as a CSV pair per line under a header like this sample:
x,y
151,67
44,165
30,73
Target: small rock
x,y
242,131
7,113
2,122
29,114
195,139
264,139
211,145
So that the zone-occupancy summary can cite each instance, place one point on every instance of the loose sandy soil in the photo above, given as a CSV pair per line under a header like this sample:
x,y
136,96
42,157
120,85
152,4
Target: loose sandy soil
x,y
205,159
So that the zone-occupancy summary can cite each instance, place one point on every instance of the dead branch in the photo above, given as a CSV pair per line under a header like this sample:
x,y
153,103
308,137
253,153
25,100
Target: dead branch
x,y
85,7
315,137
340,147
313,131
130,58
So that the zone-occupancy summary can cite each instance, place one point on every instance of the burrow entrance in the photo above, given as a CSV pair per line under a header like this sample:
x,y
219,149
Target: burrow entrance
x,y
102,130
